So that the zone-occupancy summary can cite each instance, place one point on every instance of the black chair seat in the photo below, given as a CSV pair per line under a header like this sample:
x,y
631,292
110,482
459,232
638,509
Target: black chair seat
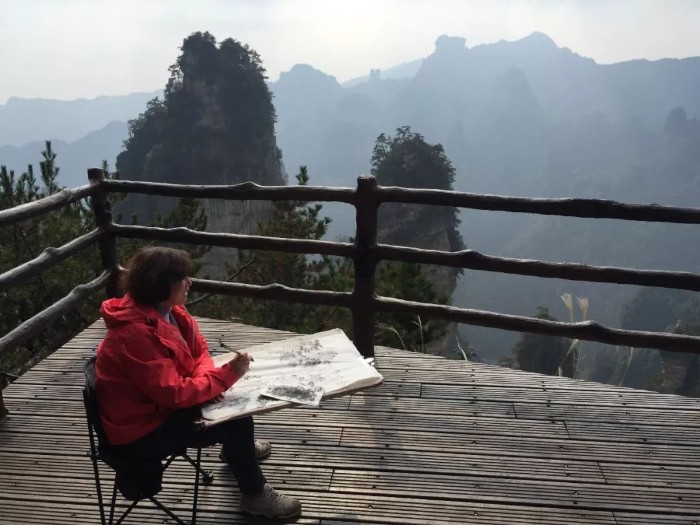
x,y
136,479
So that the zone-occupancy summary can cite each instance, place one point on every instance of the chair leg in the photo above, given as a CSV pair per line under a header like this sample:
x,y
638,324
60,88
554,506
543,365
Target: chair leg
x,y
207,475
167,511
126,512
195,498
98,488
114,504
206,478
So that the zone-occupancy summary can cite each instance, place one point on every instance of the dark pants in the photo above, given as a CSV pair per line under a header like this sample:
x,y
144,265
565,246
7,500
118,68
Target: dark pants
x,y
180,432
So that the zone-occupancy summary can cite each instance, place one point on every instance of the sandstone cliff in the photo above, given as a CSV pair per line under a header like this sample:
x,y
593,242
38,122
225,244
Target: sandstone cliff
x,y
421,227
215,125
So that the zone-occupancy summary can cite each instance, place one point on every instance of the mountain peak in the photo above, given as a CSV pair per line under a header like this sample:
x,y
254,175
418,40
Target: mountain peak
x,y
450,44
540,40
305,71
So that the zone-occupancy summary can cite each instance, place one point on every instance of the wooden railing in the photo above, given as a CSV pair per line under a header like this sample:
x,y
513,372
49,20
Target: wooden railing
x,y
365,252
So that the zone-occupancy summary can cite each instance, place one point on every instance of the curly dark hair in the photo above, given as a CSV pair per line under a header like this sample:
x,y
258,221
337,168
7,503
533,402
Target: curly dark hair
x,y
152,272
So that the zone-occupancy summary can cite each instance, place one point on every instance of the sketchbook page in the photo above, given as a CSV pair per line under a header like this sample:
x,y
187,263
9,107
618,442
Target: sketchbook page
x,y
327,361
301,393
242,399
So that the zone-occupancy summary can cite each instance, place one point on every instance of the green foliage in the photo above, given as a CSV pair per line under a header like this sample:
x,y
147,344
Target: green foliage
x,y
301,220
291,219
215,123
545,354
407,160
407,281
25,240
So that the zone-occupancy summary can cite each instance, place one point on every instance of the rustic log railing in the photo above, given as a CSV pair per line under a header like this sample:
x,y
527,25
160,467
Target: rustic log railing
x,y
48,258
365,252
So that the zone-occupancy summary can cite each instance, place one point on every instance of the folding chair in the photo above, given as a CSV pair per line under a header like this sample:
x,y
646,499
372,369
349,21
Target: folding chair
x,y
100,449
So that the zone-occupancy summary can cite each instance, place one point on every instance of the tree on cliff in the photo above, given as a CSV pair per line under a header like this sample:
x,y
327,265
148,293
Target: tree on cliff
x,y
215,123
408,160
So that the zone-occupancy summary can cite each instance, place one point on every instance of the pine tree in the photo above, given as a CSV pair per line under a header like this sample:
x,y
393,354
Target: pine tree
x,y
25,240
302,220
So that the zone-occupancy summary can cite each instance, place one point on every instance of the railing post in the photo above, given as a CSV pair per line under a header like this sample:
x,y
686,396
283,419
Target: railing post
x,y
364,311
108,243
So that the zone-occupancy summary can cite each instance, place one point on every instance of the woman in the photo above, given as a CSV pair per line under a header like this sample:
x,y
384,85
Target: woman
x,y
153,370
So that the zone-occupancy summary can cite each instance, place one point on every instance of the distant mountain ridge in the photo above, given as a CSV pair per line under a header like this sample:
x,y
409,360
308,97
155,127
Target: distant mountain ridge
x,y
403,70
24,120
73,158
459,94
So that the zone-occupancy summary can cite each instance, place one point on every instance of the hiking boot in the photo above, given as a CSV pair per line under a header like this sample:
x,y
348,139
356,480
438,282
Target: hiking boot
x,y
262,450
271,504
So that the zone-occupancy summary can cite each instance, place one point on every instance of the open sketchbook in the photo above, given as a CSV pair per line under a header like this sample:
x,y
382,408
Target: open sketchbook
x,y
302,369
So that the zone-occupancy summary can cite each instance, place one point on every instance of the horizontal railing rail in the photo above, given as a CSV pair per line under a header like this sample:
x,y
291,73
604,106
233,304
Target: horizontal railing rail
x,y
48,258
45,205
582,208
277,292
467,259
587,330
40,321
472,260
232,240
243,191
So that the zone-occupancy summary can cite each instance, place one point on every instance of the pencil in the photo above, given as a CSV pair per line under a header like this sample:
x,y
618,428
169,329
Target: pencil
x,y
227,347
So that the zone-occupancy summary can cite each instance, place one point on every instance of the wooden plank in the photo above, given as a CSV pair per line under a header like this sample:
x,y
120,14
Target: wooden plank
x,y
564,397
630,518
523,447
294,454
352,507
76,435
619,415
17,467
491,490
679,476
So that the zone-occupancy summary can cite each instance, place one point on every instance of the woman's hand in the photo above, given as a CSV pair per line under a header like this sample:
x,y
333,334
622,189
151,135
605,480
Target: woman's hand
x,y
240,363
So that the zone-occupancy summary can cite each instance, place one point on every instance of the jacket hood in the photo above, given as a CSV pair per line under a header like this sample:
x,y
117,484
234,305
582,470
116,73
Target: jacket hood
x,y
120,310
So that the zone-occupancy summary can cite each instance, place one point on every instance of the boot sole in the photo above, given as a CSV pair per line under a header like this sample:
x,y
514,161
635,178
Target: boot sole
x,y
285,517
223,459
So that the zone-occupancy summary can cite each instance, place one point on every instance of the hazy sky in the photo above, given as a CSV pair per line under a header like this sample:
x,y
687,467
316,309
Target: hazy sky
x,y
69,49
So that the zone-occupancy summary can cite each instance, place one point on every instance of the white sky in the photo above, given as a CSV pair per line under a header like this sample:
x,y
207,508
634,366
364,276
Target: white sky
x,y
69,49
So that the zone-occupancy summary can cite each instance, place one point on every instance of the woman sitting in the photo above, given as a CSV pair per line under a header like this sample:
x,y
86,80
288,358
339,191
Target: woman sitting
x,y
153,370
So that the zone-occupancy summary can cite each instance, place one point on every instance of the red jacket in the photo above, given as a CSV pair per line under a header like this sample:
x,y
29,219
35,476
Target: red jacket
x,y
146,369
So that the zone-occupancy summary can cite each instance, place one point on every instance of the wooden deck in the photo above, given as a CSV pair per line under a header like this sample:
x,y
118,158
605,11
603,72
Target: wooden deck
x,y
440,442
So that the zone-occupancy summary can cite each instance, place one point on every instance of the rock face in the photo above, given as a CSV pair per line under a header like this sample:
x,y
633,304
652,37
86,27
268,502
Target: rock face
x,y
680,374
240,217
420,227
215,125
